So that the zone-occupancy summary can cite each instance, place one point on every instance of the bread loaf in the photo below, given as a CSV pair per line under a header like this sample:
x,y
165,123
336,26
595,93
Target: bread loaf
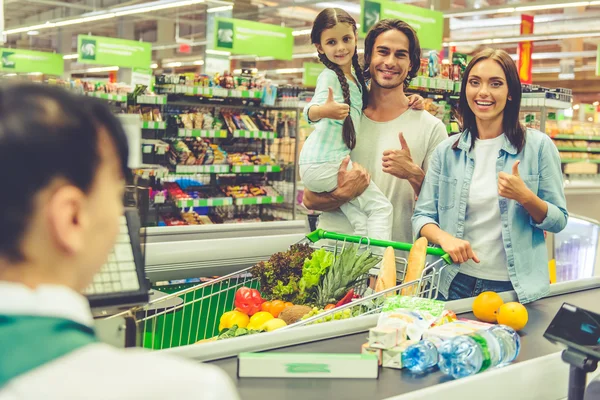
x,y
387,274
415,266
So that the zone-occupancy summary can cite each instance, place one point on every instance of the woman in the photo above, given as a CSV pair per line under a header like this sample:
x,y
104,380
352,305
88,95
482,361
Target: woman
x,y
491,192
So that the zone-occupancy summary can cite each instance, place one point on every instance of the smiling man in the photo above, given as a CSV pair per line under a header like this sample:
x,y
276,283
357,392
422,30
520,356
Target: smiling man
x,y
395,142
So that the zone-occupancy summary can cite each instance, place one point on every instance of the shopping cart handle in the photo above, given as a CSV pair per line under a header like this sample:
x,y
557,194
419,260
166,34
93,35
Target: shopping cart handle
x,y
321,234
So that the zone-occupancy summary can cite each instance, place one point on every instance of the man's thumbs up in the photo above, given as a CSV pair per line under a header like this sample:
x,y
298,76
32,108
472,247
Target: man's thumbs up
x,y
403,143
515,168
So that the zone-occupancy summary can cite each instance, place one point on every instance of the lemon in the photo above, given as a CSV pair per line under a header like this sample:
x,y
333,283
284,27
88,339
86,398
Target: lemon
x,y
273,324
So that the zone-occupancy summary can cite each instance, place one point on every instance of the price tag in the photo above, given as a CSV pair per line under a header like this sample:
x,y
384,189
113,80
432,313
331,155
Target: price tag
x,y
259,200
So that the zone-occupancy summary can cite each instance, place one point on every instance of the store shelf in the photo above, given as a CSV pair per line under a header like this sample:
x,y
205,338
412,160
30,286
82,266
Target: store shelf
x,y
534,102
254,134
154,125
248,169
202,169
203,133
160,100
212,202
580,149
579,160
216,92
577,137
423,82
259,200
106,96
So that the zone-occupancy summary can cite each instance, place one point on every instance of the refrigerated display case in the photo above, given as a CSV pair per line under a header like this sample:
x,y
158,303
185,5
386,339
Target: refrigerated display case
x,y
576,249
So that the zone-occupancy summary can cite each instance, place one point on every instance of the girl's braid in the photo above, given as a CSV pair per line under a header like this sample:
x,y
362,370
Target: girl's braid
x,y
361,79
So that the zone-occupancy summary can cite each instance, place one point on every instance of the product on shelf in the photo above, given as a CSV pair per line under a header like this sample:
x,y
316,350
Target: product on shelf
x,y
249,158
195,151
243,191
192,218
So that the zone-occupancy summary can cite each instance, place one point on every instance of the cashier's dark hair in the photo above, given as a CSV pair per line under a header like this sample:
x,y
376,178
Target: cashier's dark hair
x,y
327,19
47,133
513,129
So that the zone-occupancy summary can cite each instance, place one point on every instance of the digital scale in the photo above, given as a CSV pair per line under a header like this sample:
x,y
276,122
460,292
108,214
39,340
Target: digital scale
x,y
121,283
579,330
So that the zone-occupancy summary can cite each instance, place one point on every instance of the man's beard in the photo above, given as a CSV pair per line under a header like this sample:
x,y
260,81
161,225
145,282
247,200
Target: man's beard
x,y
386,86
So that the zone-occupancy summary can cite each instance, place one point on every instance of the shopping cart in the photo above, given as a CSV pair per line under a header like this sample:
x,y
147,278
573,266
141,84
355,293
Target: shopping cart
x,y
192,315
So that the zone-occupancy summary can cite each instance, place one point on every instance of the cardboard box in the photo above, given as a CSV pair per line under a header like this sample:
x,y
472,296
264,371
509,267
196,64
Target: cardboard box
x,y
392,358
386,337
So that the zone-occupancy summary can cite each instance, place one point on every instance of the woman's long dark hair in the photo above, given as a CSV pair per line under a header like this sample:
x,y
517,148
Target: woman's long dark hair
x,y
513,129
327,19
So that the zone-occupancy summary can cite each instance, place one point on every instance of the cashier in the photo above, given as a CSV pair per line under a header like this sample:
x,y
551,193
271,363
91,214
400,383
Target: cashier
x,y
492,191
63,162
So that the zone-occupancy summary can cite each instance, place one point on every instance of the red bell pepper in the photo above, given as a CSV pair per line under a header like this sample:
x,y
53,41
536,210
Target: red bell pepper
x,y
346,299
248,301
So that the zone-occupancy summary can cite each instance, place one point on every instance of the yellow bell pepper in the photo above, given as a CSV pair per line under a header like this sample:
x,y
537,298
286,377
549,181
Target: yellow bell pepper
x,y
259,319
232,318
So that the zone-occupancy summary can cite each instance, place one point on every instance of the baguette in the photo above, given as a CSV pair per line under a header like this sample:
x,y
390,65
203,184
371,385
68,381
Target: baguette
x,y
415,266
387,274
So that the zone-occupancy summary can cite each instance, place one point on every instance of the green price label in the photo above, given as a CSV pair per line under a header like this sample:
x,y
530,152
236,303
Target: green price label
x,y
16,60
247,37
110,51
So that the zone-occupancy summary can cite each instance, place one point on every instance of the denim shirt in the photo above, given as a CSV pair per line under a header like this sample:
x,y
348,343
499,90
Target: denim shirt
x,y
445,191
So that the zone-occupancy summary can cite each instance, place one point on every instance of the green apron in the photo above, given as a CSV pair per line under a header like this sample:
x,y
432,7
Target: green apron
x,y
28,342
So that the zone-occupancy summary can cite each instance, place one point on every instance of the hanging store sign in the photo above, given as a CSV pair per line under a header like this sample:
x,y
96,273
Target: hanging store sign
x,y
16,60
525,50
311,73
428,24
109,51
253,38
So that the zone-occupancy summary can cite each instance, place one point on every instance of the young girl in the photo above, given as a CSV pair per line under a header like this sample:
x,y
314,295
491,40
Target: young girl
x,y
340,96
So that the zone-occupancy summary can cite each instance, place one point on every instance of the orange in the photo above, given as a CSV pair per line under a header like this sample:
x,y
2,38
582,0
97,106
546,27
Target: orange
x,y
514,315
486,305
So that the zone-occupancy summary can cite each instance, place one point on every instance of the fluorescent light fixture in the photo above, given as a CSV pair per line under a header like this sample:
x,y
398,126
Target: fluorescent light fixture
x,y
590,119
289,70
35,73
523,38
305,55
596,103
154,66
101,69
480,12
576,107
219,9
301,32
199,62
33,33
552,6
346,6
218,52
10,75
70,56
173,64
111,13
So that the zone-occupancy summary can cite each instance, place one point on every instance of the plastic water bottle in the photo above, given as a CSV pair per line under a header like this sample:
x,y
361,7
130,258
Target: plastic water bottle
x,y
470,354
421,357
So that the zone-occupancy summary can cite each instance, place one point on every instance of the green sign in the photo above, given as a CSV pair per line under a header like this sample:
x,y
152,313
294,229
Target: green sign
x,y
428,24
311,73
109,51
15,60
254,38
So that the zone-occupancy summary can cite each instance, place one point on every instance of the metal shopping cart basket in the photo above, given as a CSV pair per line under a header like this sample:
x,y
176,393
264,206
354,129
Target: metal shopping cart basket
x,y
192,315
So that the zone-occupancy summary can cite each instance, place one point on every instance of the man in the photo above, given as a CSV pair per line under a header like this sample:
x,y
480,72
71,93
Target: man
x,y
395,142
64,161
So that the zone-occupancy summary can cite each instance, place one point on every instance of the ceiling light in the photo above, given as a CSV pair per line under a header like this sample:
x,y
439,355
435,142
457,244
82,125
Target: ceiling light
x,y
33,33
576,107
480,12
219,9
217,52
590,119
199,62
10,75
111,13
173,65
153,66
522,38
35,73
596,103
70,56
301,32
346,6
551,6
96,69
289,70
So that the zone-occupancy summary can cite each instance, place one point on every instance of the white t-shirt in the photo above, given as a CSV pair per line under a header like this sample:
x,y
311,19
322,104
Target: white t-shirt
x,y
483,227
99,371
423,132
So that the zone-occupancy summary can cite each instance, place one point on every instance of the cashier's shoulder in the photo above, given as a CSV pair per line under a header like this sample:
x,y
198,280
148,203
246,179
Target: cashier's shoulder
x,y
180,377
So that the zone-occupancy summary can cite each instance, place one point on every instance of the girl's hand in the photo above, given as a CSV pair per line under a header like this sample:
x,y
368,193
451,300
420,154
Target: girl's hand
x,y
333,110
460,250
512,186
416,102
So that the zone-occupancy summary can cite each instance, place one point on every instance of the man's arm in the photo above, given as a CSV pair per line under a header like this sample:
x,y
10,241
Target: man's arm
x,y
351,184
